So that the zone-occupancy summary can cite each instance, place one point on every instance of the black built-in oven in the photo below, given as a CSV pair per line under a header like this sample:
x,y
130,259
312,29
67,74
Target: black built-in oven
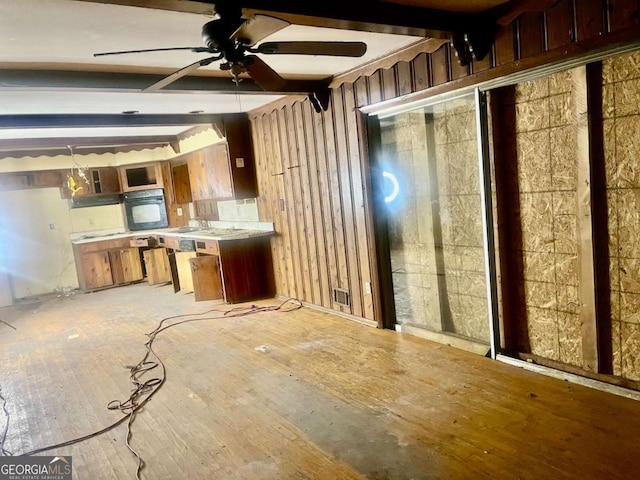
x,y
145,209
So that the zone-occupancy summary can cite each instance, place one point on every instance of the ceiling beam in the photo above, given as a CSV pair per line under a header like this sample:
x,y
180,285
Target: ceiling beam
x,y
136,82
105,120
365,15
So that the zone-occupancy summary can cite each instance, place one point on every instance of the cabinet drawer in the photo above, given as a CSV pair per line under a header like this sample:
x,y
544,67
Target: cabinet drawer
x,y
104,245
208,246
169,242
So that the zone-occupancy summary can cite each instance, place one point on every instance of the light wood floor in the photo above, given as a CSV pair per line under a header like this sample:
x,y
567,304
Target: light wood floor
x,y
294,396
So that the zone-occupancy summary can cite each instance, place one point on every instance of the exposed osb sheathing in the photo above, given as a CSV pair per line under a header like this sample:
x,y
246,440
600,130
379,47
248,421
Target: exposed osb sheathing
x,y
547,174
436,238
621,112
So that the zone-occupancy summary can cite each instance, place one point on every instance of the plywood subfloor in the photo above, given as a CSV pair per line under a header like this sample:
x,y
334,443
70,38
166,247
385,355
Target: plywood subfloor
x,y
294,396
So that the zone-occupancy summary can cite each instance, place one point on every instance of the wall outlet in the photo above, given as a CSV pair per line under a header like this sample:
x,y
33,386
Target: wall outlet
x,y
52,226
239,162
367,287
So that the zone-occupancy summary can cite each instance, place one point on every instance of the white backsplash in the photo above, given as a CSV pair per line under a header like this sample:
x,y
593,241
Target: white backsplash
x,y
238,210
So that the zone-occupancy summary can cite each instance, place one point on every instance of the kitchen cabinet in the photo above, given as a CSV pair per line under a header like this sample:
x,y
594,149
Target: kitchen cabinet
x,y
157,265
181,184
225,170
35,179
142,176
209,174
206,278
183,266
106,263
98,181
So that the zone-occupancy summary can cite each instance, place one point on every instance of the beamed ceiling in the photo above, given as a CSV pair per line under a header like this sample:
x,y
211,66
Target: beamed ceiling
x,y
49,77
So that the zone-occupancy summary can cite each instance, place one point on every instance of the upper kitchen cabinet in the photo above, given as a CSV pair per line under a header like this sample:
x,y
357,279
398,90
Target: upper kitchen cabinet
x,y
226,170
209,173
96,181
243,173
141,176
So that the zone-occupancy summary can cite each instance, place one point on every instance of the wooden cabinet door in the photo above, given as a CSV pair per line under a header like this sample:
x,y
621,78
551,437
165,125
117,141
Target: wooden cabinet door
x,y
131,266
184,270
182,184
157,263
210,174
96,270
207,281
125,265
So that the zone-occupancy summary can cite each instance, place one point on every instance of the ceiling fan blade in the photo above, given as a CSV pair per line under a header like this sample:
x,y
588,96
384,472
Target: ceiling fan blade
x,y
263,74
338,49
181,73
258,27
193,49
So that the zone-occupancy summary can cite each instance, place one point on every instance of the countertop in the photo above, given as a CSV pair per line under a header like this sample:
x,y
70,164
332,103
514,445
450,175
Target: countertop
x,y
220,234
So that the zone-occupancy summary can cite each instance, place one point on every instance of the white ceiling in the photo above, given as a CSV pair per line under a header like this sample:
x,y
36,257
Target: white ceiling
x,y
64,34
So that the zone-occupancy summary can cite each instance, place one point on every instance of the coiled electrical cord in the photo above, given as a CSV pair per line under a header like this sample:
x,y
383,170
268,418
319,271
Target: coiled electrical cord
x,y
145,390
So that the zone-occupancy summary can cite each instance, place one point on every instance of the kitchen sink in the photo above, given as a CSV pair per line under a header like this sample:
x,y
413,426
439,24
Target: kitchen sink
x,y
184,229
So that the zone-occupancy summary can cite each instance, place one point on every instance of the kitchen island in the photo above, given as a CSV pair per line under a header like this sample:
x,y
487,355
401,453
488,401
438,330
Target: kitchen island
x,y
233,264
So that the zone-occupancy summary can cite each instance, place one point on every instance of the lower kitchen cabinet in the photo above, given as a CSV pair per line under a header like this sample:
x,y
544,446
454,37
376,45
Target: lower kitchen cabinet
x,y
95,271
106,264
183,267
206,278
157,265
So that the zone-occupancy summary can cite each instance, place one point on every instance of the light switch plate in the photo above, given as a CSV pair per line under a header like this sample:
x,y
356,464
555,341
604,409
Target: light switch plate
x,y
239,162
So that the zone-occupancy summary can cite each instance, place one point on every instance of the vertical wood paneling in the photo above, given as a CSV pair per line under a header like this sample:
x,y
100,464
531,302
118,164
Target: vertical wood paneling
x,y
292,176
559,25
331,256
531,39
589,16
456,70
389,85
623,13
290,201
316,199
420,68
375,87
283,201
403,74
358,198
305,201
439,65
504,46
330,118
345,187
362,97
481,65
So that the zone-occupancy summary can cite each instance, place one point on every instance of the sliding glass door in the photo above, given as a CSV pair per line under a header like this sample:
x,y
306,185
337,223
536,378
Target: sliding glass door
x,y
431,182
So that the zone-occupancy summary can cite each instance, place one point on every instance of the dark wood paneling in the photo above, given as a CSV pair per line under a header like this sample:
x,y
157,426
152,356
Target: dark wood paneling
x,y
402,72
439,65
559,25
504,46
623,14
589,15
421,76
325,196
530,28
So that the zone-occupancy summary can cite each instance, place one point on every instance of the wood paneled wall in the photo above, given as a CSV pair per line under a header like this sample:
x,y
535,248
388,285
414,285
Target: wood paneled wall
x,y
310,180
312,168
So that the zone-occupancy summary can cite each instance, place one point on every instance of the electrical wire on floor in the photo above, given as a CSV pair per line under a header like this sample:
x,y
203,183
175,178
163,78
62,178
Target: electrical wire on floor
x,y
5,430
144,391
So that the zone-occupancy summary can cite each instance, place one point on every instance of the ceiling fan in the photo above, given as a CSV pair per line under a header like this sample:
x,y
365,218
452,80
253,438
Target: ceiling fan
x,y
233,39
